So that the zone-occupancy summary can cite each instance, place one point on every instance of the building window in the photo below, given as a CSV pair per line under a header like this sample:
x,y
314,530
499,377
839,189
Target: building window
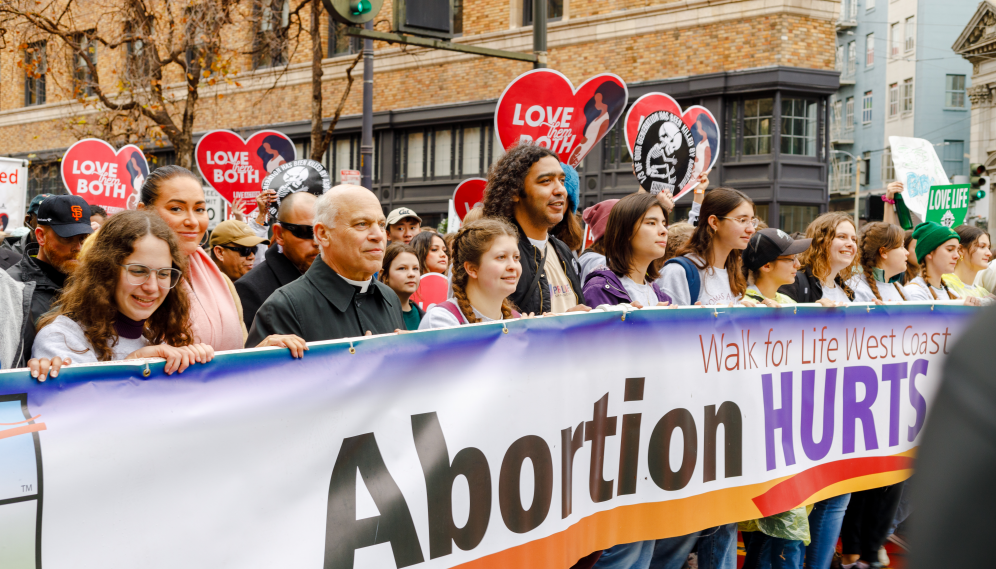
x,y
270,44
954,92
757,126
443,153
866,168
615,155
888,168
954,157
870,4
344,154
866,108
138,62
852,57
910,33
907,96
837,115
798,127
202,46
83,85
339,42
796,218
838,61
894,40
870,50
35,67
732,121
554,11
458,17
893,100
849,112
852,12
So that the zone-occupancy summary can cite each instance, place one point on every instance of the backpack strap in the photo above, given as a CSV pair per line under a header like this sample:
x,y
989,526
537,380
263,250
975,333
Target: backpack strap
x,y
454,310
691,275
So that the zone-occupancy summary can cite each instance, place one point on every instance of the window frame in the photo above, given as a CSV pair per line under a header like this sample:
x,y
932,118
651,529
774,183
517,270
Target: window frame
x,y
867,106
332,44
852,56
909,34
949,90
758,137
894,40
527,12
458,132
82,77
870,50
849,111
810,125
34,87
893,100
265,56
906,97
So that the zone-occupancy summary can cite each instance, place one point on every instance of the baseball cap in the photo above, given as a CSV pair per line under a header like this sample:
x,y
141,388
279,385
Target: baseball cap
x,y
68,216
766,245
401,213
35,202
235,231
596,218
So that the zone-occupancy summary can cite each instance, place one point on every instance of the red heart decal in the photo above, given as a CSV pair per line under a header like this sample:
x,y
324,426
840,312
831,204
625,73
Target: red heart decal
x,y
432,290
235,168
698,119
468,193
102,176
542,106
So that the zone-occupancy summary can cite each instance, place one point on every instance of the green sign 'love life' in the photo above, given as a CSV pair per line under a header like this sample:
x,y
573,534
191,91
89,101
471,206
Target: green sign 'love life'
x,y
948,205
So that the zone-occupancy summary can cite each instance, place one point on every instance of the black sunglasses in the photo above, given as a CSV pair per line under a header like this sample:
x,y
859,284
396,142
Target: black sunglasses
x,y
242,251
299,231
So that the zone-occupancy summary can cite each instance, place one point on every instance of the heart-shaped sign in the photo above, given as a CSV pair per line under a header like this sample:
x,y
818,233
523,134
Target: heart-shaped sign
x,y
235,168
469,193
543,107
700,122
102,176
432,290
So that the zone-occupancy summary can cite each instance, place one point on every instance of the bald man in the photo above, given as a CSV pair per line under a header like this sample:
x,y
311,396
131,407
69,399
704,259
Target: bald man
x,y
337,297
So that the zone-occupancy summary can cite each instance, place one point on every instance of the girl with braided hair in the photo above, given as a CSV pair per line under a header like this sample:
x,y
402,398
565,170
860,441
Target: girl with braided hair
x,y
883,262
829,262
486,270
937,252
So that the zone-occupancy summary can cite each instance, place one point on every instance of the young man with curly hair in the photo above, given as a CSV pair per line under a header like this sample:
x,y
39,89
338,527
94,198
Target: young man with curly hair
x,y
526,189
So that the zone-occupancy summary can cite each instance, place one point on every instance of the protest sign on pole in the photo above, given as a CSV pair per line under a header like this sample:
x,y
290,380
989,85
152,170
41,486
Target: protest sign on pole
x,y
468,193
543,107
918,168
700,122
525,444
433,288
664,153
13,192
948,205
112,179
235,167
296,176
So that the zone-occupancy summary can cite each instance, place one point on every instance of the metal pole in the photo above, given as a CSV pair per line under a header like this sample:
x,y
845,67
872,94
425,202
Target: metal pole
x,y
857,189
366,143
539,33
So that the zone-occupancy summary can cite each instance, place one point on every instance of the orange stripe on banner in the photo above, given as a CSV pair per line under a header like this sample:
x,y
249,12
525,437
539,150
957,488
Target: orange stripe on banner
x,y
22,430
657,520
19,422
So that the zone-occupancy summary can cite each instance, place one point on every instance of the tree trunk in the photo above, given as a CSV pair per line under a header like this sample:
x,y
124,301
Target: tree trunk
x,y
318,145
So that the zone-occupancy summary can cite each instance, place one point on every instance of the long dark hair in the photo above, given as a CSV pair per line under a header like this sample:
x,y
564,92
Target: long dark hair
x,y
624,221
968,237
88,298
390,254
284,148
470,244
719,202
611,93
422,244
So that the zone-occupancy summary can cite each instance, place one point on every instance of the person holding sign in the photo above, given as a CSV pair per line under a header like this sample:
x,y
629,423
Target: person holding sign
x,y
975,256
937,251
123,303
883,262
828,263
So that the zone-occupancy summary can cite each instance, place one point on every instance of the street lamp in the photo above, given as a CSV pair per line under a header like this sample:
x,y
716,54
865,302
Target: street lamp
x,y
857,183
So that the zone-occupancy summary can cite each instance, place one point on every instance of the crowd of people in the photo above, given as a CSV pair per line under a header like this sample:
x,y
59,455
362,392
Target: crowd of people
x,y
83,286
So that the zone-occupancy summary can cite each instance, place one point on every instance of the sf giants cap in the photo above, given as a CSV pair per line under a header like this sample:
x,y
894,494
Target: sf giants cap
x,y
768,244
401,213
68,216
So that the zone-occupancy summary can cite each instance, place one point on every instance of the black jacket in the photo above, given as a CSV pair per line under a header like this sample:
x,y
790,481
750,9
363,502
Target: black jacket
x,y
26,271
532,294
322,306
808,288
258,284
8,258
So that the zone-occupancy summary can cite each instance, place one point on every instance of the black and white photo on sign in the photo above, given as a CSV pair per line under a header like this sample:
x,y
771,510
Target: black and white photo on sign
x,y
296,176
664,153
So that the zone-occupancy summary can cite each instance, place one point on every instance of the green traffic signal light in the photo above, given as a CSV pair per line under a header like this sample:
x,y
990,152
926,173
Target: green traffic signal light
x,y
976,195
359,7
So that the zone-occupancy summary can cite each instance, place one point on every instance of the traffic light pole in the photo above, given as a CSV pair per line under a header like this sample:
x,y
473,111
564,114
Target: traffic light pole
x,y
539,33
366,142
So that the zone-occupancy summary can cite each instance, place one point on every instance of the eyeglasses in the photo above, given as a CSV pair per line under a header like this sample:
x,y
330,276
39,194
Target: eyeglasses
x,y
299,231
744,221
137,275
789,259
242,251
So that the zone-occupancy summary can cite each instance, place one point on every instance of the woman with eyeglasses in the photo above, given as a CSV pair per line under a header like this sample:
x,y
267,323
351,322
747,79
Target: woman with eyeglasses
x,y
707,270
829,263
123,303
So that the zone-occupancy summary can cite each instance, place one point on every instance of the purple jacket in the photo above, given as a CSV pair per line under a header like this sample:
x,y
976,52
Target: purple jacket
x,y
605,287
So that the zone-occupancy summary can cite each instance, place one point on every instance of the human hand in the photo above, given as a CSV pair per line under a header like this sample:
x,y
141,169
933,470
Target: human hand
x,y
579,308
41,368
238,209
666,199
892,189
292,342
664,303
745,302
770,303
826,302
698,194
973,301
636,304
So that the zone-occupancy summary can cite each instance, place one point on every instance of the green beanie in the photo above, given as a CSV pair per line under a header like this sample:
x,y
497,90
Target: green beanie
x,y
929,236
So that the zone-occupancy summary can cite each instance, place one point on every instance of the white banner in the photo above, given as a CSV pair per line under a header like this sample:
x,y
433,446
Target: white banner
x,y
918,168
13,192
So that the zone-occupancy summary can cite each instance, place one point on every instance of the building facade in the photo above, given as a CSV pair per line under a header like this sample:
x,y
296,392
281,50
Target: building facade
x,y
764,68
898,78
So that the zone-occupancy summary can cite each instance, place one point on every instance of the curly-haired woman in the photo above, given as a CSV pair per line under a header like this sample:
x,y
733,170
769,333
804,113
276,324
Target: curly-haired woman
x,y
829,262
526,189
123,303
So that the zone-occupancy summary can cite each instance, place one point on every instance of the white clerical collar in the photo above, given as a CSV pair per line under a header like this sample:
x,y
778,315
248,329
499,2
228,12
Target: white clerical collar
x,y
362,285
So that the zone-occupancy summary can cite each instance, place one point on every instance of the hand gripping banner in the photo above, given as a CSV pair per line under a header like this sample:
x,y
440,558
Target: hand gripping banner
x,y
528,444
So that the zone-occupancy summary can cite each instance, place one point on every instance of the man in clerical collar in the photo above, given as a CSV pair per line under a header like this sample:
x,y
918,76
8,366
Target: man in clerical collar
x,y
337,297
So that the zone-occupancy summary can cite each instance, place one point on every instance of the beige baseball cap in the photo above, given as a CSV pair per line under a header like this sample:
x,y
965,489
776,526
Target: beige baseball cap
x,y
401,213
235,231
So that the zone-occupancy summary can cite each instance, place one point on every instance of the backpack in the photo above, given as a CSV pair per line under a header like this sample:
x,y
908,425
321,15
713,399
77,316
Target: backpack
x,y
455,311
691,275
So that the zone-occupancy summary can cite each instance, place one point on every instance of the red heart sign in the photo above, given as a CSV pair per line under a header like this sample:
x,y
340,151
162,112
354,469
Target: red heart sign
x,y
469,193
235,168
542,106
699,120
432,290
102,176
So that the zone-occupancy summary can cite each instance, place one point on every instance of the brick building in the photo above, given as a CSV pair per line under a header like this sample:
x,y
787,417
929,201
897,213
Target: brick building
x,y
765,68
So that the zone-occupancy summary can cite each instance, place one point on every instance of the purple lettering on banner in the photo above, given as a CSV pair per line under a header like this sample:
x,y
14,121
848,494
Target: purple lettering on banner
x,y
817,450
916,399
855,410
894,373
780,418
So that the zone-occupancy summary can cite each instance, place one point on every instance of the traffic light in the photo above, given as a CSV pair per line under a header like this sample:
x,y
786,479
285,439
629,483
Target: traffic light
x,y
353,12
979,182
359,7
